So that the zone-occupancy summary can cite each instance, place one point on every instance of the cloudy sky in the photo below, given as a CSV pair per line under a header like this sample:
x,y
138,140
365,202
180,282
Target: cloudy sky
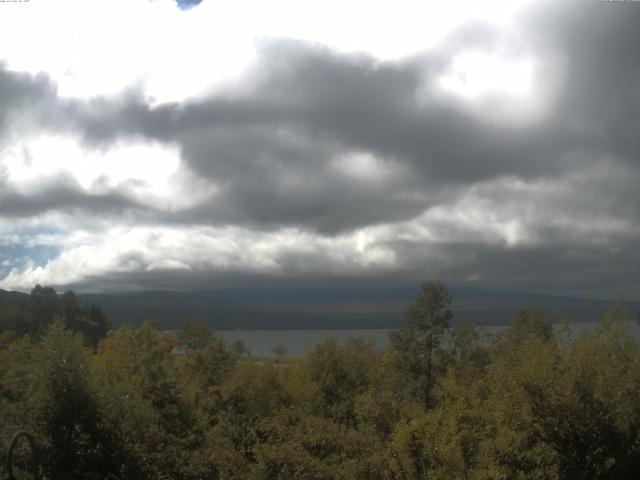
x,y
154,144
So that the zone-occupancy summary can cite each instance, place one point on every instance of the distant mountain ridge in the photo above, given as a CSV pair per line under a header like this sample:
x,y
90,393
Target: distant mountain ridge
x,y
10,296
319,309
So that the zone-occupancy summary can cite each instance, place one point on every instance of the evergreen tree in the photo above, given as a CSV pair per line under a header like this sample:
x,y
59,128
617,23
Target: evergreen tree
x,y
418,343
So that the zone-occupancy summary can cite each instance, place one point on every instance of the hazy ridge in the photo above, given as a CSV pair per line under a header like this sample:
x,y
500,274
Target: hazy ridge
x,y
290,309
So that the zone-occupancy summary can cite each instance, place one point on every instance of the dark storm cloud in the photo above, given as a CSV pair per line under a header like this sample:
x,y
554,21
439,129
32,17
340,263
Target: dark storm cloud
x,y
21,93
601,101
335,103
597,109
271,143
278,147
555,267
61,194
304,105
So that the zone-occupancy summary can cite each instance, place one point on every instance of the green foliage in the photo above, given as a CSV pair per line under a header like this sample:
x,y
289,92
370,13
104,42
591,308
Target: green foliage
x,y
75,440
440,403
33,315
417,346
526,325
331,376
143,401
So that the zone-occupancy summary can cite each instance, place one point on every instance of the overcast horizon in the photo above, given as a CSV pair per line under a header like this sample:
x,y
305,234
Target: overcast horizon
x,y
155,144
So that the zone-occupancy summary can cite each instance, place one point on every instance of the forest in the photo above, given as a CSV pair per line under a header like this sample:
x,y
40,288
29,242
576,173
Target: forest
x,y
443,401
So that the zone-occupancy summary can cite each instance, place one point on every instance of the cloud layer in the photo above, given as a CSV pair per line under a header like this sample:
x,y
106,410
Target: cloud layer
x,y
505,155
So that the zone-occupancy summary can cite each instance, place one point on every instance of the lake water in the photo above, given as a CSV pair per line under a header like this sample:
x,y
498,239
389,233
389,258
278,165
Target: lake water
x,y
262,342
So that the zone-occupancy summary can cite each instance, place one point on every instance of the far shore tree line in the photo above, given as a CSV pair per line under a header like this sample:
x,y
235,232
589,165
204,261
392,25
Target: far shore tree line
x,y
439,403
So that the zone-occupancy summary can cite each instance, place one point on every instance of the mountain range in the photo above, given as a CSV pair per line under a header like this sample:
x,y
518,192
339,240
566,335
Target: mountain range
x,y
318,309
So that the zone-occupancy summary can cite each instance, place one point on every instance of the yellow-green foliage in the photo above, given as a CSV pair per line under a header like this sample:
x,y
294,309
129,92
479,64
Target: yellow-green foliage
x,y
184,405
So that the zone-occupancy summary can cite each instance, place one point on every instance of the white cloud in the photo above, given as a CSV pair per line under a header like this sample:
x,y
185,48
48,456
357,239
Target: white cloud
x,y
93,47
219,250
150,173
34,157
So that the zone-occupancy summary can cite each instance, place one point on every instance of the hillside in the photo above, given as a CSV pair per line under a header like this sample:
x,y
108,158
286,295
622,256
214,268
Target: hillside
x,y
275,309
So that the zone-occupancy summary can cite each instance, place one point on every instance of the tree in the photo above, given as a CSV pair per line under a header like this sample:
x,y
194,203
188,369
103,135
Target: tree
x,y
419,341
33,315
590,413
195,335
75,439
240,348
332,376
279,351
40,310
137,386
527,324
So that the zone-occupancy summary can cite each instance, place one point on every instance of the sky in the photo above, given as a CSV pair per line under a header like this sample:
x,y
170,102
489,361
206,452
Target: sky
x,y
154,144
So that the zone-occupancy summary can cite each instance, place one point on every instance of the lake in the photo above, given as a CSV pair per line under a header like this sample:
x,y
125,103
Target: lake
x,y
297,342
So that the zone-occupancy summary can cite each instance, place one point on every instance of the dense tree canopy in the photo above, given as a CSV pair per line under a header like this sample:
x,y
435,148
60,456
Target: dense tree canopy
x,y
34,314
440,403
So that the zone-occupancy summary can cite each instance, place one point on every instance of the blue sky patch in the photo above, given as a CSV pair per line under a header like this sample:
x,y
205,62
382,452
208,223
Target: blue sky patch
x,y
187,4
19,255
